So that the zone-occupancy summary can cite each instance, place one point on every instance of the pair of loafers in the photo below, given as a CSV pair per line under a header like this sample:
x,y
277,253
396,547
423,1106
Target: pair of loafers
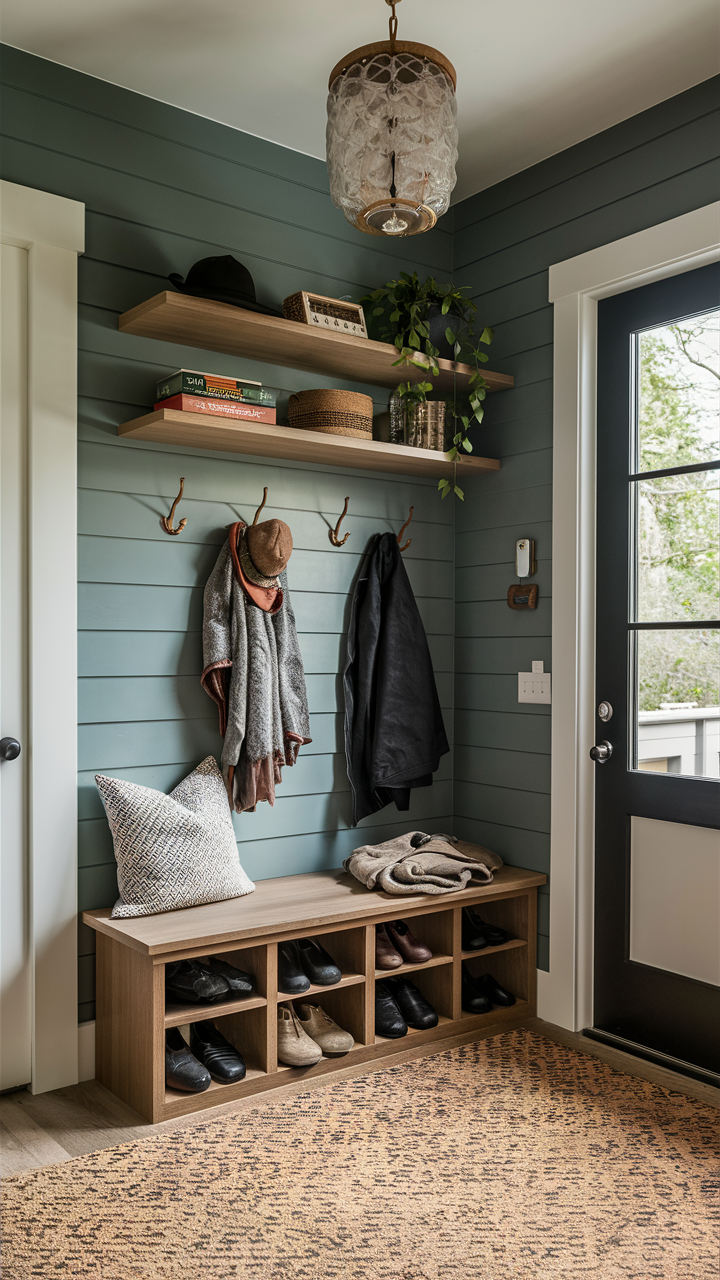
x,y
304,963
306,1035
396,945
205,981
477,933
209,1056
480,994
399,1005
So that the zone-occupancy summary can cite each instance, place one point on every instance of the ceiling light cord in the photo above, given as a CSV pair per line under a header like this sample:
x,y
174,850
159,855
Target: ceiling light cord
x,y
393,24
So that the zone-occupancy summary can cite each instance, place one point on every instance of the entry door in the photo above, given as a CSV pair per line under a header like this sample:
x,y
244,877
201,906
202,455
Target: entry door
x,y
657,850
15,963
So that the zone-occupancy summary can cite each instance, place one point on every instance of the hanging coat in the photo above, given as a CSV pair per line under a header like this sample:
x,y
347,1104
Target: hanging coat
x,y
394,731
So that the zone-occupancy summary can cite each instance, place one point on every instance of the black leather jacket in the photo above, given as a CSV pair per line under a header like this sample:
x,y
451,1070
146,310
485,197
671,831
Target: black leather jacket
x,y
394,731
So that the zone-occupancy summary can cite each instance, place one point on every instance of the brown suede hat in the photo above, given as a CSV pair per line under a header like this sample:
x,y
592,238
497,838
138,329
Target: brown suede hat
x,y
266,553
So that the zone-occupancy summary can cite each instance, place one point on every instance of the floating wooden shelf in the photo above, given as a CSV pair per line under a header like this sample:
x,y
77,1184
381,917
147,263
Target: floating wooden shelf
x,y
199,431
216,326
342,914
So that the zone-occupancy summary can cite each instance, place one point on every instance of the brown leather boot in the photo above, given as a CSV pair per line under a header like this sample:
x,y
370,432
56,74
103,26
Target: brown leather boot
x,y
386,957
411,949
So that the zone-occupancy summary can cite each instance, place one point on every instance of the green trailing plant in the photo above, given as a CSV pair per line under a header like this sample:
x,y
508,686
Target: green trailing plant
x,y
399,312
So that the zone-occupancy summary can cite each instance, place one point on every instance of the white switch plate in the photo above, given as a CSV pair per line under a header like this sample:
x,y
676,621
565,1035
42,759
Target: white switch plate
x,y
533,687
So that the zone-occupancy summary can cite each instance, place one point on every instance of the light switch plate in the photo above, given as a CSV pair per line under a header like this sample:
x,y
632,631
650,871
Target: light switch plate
x,y
533,687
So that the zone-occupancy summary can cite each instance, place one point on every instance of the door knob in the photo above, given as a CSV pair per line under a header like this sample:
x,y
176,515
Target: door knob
x,y
9,748
602,752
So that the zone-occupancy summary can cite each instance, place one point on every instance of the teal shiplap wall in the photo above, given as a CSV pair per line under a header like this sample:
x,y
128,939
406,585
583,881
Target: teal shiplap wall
x,y
652,167
163,188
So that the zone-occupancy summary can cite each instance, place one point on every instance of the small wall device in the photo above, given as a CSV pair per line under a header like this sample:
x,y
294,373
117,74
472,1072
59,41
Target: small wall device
x,y
525,565
524,596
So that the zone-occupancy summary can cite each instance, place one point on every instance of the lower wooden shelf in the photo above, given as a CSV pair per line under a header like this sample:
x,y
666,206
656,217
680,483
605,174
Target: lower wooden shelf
x,y
200,431
347,980
132,955
411,968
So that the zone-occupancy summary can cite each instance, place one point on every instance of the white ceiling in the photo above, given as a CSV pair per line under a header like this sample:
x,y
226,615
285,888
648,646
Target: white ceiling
x,y
534,76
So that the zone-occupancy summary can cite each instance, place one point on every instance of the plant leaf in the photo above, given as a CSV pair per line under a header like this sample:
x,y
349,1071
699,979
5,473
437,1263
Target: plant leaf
x,y
459,493
467,445
487,336
450,336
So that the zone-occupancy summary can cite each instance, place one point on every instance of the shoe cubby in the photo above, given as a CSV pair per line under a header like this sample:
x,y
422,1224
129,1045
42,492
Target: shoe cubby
x,y
132,1015
436,931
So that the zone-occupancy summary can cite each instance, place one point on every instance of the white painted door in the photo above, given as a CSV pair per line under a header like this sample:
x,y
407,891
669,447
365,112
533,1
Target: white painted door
x,y
15,962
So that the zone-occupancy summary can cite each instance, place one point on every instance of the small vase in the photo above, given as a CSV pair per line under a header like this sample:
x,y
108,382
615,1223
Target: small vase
x,y
426,425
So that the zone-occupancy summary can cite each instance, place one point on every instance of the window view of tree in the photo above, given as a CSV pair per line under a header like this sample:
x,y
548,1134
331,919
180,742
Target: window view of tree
x,y
678,516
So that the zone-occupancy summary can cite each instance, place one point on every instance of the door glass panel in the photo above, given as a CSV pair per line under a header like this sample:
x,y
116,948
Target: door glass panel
x,y
678,720
679,547
679,369
675,672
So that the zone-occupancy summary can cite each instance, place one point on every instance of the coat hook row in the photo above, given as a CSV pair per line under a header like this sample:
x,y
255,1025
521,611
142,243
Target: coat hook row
x,y
167,521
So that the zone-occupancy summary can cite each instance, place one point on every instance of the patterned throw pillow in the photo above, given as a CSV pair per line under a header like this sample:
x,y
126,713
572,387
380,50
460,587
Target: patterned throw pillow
x,y
173,851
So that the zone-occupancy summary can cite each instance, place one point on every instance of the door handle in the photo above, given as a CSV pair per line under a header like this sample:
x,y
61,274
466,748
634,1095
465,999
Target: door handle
x,y
602,752
9,748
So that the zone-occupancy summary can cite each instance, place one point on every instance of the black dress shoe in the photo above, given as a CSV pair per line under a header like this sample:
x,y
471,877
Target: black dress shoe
x,y
216,1053
194,983
492,932
389,1021
473,1000
491,988
318,965
182,1070
412,1004
291,978
239,982
473,937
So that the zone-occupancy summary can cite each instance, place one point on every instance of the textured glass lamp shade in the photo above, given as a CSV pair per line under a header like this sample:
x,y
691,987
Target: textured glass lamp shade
x,y
392,138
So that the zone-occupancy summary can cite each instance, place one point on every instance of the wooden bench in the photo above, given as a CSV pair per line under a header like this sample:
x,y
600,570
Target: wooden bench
x,y
132,954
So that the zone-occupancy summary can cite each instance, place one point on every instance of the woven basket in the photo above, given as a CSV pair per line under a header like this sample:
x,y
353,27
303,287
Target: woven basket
x,y
336,413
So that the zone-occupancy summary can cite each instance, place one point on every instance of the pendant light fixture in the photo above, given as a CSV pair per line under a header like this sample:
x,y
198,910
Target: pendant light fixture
x,y
392,135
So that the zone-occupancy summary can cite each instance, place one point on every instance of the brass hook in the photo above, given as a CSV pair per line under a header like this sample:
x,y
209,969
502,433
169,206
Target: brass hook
x,y
407,544
333,533
262,504
167,521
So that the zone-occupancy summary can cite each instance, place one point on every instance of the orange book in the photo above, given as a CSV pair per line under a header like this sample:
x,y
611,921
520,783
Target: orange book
x,y
219,408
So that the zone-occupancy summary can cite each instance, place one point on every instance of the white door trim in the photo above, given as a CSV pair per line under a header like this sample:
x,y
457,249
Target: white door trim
x,y
682,244
52,230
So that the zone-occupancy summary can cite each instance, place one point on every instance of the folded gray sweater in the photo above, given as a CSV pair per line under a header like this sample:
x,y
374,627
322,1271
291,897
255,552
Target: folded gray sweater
x,y
419,863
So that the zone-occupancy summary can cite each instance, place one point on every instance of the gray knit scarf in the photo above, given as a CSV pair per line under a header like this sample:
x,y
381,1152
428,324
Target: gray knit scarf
x,y
253,670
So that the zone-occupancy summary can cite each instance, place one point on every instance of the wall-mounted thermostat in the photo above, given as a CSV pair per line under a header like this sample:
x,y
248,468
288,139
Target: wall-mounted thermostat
x,y
525,565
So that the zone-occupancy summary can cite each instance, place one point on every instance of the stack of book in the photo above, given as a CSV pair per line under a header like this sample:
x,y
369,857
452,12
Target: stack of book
x,y
193,392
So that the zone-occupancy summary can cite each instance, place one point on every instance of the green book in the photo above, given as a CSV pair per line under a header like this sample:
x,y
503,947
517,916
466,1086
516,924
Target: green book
x,y
215,387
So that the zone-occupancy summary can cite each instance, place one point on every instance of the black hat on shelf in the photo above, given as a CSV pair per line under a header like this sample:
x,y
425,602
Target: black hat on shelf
x,y
222,279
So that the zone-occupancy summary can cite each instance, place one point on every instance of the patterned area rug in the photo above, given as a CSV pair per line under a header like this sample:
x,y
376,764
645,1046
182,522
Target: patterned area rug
x,y
510,1157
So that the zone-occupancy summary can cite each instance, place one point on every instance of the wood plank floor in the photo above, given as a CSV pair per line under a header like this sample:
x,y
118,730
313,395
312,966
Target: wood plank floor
x,y
48,1128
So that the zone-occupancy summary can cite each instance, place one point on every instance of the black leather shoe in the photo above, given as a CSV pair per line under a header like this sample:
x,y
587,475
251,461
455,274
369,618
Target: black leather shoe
x,y
239,982
182,1070
193,983
412,1004
492,933
216,1053
318,965
491,988
473,937
473,1000
389,1021
291,978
